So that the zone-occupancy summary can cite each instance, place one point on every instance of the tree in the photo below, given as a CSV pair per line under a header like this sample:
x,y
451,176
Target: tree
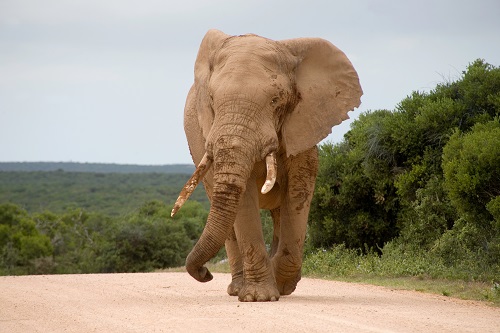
x,y
22,248
387,179
149,239
471,164
351,205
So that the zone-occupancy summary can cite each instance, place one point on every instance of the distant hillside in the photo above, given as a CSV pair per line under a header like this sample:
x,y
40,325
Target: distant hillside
x,y
110,193
96,167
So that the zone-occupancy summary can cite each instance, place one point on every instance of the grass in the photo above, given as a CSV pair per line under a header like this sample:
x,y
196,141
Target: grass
x,y
396,270
415,273
472,290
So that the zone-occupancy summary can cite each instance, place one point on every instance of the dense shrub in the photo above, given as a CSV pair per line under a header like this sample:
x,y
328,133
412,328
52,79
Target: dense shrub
x,y
423,179
350,205
82,242
471,164
22,247
149,239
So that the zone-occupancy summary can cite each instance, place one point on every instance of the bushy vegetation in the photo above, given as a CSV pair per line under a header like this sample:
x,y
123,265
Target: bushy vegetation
x,y
419,184
81,242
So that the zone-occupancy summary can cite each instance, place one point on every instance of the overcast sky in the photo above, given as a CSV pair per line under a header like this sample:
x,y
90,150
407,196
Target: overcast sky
x,y
106,80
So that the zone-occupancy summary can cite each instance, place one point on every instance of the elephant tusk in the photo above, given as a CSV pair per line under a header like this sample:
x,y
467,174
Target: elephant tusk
x,y
191,184
271,173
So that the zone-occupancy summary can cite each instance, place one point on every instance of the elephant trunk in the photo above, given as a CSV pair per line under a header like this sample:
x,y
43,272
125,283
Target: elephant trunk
x,y
235,143
232,170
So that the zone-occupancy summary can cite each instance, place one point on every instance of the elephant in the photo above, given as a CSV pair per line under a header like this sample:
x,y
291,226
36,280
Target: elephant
x,y
252,118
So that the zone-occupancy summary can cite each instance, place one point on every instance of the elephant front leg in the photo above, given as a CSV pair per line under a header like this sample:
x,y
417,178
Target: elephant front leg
x,y
293,214
258,276
235,263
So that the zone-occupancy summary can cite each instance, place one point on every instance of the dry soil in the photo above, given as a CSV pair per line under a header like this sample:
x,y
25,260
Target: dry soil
x,y
174,302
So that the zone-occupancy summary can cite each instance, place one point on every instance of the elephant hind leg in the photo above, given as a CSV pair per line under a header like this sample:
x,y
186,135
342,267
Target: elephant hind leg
x,y
275,214
287,270
289,287
235,263
294,211
286,282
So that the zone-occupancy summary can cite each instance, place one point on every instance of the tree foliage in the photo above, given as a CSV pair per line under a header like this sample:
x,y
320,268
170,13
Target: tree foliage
x,y
149,239
22,246
82,242
350,205
471,164
423,177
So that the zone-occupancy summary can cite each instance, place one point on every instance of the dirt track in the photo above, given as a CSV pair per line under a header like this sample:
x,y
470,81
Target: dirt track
x,y
174,302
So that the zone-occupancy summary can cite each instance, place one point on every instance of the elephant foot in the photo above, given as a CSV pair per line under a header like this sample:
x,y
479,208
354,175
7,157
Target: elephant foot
x,y
287,276
235,286
258,292
287,270
286,287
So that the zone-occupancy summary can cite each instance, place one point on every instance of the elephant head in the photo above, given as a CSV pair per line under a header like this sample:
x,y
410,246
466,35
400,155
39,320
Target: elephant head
x,y
254,99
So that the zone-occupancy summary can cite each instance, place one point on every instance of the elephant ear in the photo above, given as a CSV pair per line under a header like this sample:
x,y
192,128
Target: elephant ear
x,y
328,86
200,99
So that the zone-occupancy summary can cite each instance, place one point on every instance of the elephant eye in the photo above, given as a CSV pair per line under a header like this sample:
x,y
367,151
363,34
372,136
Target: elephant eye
x,y
274,100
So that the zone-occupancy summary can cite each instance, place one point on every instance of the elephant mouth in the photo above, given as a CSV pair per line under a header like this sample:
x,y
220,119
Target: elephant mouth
x,y
204,166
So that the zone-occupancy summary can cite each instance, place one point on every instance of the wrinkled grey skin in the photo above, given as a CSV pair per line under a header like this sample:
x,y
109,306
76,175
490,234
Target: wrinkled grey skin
x,y
253,96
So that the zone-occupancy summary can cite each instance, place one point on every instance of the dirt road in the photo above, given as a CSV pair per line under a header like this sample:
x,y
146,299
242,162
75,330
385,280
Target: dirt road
x,y
174,302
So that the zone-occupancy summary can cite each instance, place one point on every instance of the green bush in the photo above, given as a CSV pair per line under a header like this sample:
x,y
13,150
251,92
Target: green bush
x,y
494,208
471,164
429,216
82,242
422,179
351,205
149,239
78,238
22,246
